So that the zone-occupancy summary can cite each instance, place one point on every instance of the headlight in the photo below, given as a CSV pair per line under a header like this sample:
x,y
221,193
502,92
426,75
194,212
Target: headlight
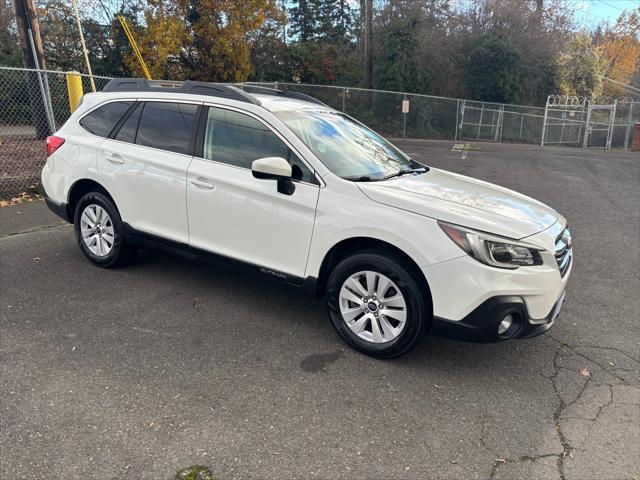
x,y
492,250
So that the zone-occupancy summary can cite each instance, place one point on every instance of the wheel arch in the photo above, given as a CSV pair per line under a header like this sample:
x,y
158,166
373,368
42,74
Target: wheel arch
x,y
348,246
79,189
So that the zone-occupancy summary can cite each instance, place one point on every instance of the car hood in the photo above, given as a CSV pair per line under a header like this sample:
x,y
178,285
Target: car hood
x,y
464,201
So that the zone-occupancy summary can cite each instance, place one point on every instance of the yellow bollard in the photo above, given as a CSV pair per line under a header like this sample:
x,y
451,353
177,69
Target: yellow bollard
x,y
74,89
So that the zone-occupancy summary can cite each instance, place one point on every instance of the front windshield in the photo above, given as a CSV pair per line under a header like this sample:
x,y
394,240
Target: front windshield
x,y
346,147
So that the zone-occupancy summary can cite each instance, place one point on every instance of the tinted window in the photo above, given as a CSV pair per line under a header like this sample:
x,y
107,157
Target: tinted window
x,y
127,132
167,126
238,139
102,120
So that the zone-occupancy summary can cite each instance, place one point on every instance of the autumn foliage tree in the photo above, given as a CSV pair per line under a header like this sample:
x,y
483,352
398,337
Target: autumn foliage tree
x,y
517,51
620,47
202,40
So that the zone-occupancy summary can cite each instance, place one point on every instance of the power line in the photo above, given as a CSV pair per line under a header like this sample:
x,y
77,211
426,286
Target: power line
x,y
629,87
608,5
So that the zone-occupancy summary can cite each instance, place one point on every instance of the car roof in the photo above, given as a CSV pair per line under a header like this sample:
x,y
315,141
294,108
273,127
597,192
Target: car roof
x,y
274,103
270,102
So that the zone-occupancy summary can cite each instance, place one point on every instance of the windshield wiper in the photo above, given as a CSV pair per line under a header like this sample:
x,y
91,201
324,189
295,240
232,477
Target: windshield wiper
x,y
364,178
405,171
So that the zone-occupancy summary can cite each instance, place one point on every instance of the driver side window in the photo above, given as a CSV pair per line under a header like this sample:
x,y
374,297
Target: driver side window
x,y
238,139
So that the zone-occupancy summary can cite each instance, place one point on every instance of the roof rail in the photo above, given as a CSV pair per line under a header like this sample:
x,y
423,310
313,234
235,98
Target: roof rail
x,y
189,86
281,93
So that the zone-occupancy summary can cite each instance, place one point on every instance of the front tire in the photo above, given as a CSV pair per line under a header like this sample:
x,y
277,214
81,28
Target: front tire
x,y
100,232
377,305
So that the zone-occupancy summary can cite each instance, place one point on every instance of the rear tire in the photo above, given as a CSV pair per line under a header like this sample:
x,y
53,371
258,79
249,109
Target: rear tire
x,y
100,232
377,304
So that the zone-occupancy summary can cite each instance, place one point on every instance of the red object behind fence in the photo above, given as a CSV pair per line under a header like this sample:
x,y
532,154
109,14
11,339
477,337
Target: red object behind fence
x,y
635,144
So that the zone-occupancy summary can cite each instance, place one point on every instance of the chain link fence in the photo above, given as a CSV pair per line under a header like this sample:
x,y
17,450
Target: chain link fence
x,y
442,118
33,104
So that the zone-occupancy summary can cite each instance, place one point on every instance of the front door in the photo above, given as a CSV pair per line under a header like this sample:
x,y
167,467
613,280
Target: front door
x,y
236,215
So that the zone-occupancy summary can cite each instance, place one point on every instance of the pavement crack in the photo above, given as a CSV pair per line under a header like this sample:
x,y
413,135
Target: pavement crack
x,y
602,407
610,371
34,230
566,448
498,460
612,349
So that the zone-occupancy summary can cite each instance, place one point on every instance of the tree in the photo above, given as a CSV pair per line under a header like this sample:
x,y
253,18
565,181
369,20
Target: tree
x,y
620,52
270,55
303,20
59,32
203,40
398,62
580,67
109,48
161,40
493,70
9,44
335,22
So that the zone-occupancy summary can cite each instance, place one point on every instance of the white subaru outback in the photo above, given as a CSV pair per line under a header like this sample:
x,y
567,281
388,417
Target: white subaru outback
x,y
279,184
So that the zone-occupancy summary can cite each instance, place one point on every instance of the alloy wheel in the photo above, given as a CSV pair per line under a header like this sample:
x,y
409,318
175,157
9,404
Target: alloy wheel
x,y
97,230
373,307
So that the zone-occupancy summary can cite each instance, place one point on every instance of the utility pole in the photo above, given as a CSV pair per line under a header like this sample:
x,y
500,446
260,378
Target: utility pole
x,y
368,43
32,57
540,10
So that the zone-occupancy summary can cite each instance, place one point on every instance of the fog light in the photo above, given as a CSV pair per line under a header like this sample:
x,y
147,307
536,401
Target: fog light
x,y
505,324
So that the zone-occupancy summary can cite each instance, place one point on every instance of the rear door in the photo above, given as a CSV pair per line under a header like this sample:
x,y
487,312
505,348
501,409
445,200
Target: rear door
x,y
145,164
239,216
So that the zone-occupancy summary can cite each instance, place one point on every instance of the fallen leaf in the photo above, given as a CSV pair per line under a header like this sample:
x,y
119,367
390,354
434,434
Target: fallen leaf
x,y
585,372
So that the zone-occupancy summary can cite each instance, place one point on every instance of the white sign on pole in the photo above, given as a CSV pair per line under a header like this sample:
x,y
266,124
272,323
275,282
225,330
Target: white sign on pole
x,y
405,106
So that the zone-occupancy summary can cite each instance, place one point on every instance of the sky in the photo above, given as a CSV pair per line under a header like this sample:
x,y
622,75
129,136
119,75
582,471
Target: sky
x,y
592,12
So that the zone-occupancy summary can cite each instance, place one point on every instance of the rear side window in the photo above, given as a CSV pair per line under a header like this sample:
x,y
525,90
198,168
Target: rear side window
x,y
102,120
167,126
127,132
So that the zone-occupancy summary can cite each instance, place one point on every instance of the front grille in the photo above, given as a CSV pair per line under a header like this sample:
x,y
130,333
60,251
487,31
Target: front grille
x,y
563,251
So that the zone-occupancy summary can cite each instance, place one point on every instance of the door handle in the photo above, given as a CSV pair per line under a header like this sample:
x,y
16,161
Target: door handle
x,y
202,183
115,158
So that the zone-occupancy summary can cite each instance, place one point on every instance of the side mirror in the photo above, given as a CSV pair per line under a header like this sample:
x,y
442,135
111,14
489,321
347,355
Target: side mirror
x,y
271,168
274,168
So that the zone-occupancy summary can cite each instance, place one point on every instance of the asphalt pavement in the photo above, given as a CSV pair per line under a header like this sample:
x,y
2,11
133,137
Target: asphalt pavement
x,y
140,372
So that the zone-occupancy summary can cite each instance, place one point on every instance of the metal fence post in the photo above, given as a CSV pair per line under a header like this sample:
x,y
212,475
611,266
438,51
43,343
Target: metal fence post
x,y
612,121
544,122
457,113
480,122
587,129
627,132
344,94
521,122
499,129
404,121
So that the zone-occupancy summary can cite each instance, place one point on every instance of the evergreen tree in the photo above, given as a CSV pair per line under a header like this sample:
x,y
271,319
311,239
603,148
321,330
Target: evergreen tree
x,y
493,70
303,20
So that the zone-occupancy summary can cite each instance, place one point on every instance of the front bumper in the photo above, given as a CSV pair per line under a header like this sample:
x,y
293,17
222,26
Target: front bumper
x,y
481,325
